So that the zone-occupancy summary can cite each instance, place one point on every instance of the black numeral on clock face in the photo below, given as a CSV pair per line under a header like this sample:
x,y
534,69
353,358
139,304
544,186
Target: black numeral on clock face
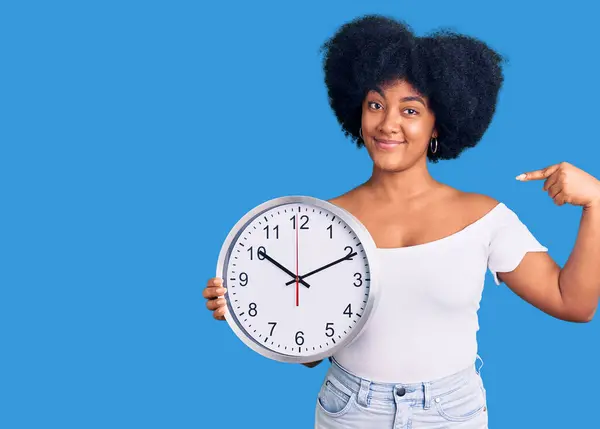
x,y
302,218
276,230
252,309
358,277
348,310
330,229
299,338
272,327
243,279
260,253
329,331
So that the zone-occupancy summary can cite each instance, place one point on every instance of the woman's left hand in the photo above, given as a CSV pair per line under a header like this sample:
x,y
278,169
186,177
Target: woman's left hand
x,y
566,183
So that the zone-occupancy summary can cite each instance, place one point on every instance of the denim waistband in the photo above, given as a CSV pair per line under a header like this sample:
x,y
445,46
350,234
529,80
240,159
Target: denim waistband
x,y
422,391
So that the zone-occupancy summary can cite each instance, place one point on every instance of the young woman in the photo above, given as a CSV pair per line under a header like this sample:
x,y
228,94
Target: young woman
x,y
407,100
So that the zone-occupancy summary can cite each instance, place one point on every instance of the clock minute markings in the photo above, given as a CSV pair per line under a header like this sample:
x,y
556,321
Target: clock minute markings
x,y
298,277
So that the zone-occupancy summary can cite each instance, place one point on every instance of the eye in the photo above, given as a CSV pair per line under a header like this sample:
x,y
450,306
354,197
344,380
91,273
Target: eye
x,y
411,110
371,103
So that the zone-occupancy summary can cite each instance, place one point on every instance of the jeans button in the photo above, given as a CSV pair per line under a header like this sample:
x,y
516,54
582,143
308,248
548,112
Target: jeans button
x,y
401,391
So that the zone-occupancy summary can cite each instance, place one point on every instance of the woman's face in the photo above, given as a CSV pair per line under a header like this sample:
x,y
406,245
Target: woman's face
x,y
397,126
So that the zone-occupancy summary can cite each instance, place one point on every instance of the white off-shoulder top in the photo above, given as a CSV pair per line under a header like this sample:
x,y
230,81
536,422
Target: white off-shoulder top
x,y
425,324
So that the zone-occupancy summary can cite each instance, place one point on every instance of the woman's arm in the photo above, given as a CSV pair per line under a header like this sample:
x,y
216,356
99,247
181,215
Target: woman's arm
x,y
570,293
579,279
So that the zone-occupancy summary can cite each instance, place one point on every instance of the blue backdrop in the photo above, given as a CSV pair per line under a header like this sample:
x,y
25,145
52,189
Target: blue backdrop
x,y
133,135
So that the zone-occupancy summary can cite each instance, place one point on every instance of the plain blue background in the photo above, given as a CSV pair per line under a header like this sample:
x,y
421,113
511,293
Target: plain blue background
x,y
135,134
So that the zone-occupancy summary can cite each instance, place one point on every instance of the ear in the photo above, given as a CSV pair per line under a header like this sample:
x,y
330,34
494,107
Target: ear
x,y
434,134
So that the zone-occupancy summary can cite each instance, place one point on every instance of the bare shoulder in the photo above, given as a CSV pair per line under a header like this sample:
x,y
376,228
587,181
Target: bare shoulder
x,y
478,203
348,200
473,206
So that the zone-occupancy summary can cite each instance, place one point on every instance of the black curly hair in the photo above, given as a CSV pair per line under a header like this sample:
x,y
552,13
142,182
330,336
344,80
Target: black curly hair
x,y
459,74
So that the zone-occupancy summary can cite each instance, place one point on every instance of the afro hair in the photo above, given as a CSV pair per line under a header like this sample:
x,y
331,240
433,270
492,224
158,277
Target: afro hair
x,y
459,74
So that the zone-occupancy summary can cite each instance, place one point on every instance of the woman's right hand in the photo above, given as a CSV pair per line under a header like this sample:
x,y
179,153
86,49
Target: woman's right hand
x,y
215,300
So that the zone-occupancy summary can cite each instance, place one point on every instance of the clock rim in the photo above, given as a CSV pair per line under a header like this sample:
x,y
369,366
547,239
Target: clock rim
x,y
368,245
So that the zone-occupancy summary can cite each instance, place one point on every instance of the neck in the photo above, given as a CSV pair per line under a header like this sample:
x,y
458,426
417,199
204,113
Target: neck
x,y
401,186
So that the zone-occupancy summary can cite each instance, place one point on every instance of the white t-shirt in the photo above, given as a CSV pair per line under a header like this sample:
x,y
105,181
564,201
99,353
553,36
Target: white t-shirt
x,y
424,326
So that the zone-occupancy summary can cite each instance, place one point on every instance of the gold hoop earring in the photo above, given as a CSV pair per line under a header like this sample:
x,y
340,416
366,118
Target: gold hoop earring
x,y
431,145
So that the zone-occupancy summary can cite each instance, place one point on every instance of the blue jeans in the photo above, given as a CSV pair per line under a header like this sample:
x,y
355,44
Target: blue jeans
x,y
348,401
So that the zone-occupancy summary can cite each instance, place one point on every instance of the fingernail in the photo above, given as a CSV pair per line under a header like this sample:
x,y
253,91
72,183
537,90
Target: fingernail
x,y
520,176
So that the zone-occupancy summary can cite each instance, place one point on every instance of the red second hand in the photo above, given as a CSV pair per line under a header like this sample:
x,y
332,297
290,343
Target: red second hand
x,y
297,261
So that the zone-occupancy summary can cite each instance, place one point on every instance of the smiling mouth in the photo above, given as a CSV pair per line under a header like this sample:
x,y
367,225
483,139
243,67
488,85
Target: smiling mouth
x,y
388,144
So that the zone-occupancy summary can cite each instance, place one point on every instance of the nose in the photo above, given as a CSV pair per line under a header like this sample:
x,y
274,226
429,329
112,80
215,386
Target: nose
x,y
391,124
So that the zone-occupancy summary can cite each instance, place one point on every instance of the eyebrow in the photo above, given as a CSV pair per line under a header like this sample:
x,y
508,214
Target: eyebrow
x,y
410,98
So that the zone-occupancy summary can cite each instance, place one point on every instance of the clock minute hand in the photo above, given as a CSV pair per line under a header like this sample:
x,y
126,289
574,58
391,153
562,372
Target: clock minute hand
x,y
347,257
281,267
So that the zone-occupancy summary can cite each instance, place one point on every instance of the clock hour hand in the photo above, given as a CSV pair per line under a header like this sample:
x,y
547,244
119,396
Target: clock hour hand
x,y
281,267
345,258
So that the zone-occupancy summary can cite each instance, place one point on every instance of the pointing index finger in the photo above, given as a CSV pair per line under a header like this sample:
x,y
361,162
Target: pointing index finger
x,y
537,174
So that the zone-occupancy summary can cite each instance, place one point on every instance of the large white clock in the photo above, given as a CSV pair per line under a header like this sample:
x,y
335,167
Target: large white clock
x,y
300,274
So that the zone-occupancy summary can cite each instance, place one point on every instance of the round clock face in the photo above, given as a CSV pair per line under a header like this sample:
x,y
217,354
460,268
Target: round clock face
x,y
299,278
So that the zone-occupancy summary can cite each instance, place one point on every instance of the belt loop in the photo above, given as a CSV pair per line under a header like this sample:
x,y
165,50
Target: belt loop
x,y
363,392
427,395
